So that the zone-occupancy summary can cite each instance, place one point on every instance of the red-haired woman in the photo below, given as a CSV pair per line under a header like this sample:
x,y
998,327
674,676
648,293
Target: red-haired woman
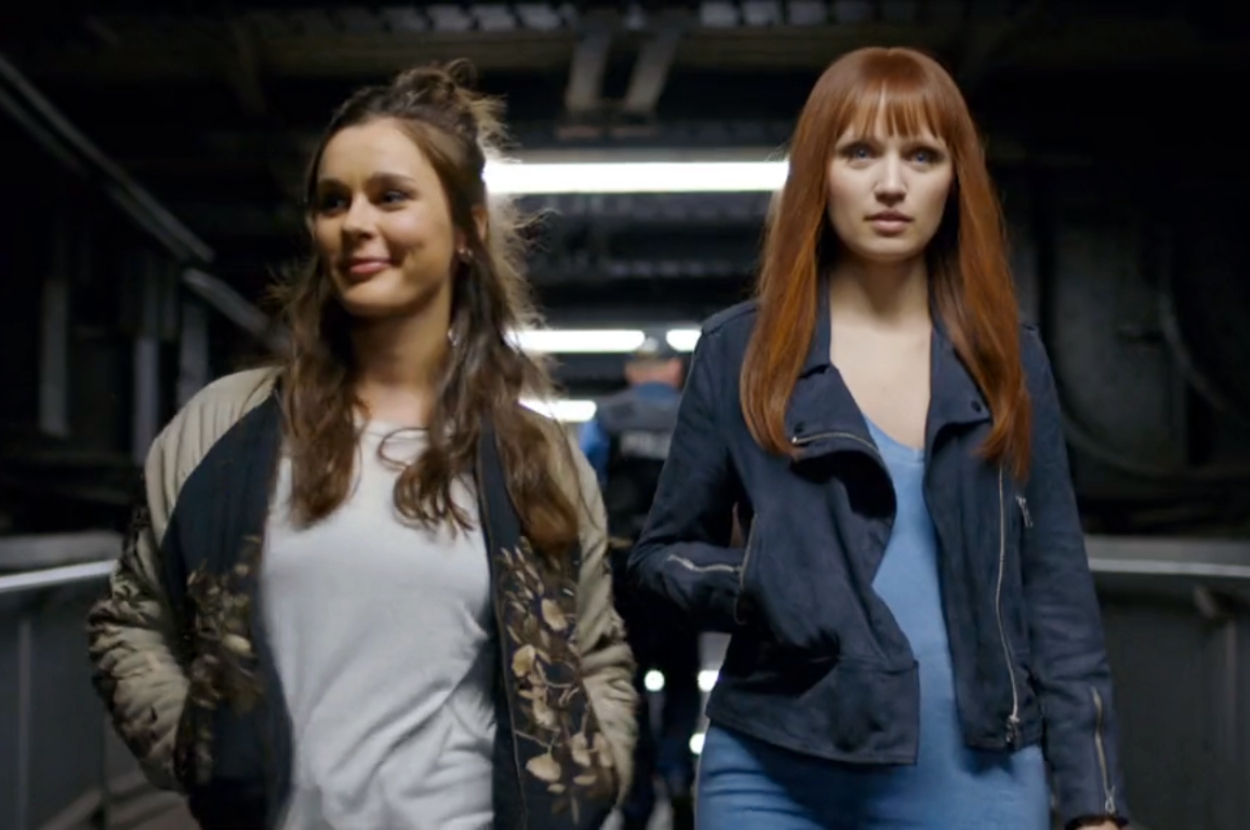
x,y
915,634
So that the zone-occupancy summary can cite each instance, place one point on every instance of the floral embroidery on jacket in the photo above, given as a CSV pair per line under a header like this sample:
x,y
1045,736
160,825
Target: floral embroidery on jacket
x,y
223,662
555,723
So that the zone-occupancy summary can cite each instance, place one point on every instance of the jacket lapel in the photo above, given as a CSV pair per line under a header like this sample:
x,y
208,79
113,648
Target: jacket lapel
x,y
823,418
234,726
552,764
954,397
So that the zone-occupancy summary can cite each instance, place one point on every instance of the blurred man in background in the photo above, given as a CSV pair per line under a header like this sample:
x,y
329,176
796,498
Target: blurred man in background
x,y
627,442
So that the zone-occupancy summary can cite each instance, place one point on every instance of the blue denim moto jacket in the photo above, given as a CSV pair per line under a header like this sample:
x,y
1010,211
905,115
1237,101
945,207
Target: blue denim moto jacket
x,y
817,663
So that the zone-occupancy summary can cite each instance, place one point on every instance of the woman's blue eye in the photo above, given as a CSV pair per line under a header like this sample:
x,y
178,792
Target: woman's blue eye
x,y
394,196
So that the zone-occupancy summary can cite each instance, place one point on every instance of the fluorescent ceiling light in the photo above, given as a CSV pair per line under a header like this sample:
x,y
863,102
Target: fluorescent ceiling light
x,y
514,178
579,341
597,341
566,411
683,340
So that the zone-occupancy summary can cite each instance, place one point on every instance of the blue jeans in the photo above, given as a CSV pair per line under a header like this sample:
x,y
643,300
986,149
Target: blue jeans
x,y
745,784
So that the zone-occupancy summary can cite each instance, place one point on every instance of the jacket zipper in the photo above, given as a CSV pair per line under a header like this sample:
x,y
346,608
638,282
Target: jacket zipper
x,y
503,634
1013,720
803,440
688,565
1024,511
1107,790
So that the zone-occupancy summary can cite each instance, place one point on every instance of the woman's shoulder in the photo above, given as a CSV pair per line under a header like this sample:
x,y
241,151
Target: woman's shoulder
x,y
208,415
226,400
723,338
735,322
1033,355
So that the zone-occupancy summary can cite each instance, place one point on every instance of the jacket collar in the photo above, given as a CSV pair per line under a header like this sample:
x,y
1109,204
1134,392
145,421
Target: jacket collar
x,y
822,405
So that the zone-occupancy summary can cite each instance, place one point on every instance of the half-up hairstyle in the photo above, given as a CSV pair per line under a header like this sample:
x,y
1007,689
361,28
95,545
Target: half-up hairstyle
x,y
485,375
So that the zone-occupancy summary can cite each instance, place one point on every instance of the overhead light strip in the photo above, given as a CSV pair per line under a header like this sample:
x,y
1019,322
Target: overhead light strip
x,y
598,341
525,178
589,341
565,410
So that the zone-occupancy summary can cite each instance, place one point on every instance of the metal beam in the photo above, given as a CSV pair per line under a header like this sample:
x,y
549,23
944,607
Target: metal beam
x,y
654,61
584,93
50,128
233,306
54,338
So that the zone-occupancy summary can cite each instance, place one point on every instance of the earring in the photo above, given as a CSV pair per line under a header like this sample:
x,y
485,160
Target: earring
x,y
464,255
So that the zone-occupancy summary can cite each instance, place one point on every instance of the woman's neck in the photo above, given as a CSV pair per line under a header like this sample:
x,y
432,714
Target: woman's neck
x,y
893,295
399,362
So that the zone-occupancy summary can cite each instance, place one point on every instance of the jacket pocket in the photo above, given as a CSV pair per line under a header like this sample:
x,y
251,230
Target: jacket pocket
x,y
840,708
868,703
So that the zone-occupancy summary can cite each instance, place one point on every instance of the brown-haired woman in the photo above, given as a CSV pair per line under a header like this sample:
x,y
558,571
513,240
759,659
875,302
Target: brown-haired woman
x,y
915,634
366,588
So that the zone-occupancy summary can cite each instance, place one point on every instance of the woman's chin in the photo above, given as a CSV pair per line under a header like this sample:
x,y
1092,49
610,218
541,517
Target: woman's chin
x,y
373,301
371,309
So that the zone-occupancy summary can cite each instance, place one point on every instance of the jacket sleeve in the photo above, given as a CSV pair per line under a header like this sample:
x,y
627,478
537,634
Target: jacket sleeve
x,y
1069,663
684,553
132,636
606,659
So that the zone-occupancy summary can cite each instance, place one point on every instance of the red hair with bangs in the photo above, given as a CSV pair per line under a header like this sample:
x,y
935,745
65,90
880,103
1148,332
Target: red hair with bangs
x,y
970,282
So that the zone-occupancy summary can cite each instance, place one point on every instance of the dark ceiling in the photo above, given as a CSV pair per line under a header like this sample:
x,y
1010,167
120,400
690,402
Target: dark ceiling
x,y
214,111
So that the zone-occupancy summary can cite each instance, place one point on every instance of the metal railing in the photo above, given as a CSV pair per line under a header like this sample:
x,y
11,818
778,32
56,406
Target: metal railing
x,y
55,577
1176,613
62,767
39,613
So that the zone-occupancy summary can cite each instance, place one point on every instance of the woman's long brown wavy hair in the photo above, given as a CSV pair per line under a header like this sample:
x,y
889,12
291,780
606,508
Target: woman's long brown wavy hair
x,y
485,374
970,282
